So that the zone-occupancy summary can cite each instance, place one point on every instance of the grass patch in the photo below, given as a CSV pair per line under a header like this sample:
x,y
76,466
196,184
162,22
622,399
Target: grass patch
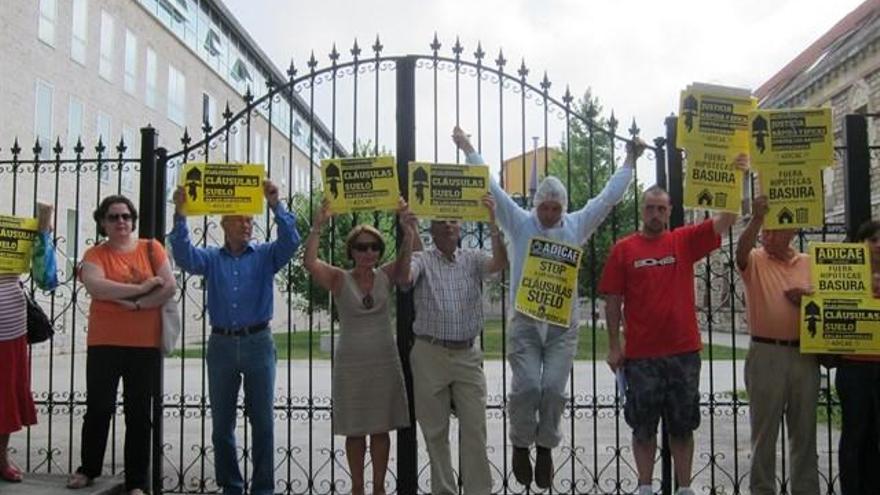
x,y
296,345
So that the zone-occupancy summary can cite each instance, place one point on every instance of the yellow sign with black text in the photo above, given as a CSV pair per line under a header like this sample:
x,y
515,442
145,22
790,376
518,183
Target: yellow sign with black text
x,y
548,286
712,181
840,269
840,325
794,195
714,116
16,243
448,192
791,137
222,188
360,184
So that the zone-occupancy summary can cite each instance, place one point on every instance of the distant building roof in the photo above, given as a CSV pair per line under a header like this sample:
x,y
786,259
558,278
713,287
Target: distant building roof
x,y
856,30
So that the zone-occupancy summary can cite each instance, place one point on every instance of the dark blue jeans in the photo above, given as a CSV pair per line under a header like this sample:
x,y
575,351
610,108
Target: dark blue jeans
x,y
858,386
231,359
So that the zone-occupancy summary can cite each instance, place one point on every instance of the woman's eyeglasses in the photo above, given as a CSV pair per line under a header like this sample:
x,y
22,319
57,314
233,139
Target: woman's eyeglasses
x,y
115,217
362,247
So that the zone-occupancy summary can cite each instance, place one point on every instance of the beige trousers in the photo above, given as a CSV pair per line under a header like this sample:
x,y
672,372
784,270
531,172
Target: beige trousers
x,y
441,377
782,382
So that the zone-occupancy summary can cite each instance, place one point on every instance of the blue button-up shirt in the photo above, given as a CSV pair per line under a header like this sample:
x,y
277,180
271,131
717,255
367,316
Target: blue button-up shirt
x,y
240,288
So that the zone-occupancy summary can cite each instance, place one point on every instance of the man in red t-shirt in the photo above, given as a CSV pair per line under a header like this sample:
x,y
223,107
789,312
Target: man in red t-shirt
x,y
651,275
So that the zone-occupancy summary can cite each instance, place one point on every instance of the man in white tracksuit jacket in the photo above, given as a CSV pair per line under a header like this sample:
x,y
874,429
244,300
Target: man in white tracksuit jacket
x,y
541,354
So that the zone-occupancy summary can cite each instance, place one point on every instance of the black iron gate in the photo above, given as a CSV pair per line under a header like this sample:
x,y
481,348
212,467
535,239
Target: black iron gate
x,y
430,93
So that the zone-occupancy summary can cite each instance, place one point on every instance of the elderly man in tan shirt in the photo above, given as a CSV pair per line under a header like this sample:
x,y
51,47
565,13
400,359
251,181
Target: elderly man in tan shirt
x,y
779,379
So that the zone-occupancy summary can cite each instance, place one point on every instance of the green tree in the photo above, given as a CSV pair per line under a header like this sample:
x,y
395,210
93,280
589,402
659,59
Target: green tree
x,y
585,165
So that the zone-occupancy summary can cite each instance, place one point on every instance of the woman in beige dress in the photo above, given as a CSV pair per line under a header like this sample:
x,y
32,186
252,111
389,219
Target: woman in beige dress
x,y
369,397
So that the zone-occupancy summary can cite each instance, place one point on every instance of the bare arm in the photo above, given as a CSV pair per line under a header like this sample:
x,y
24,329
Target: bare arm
x,y
613,312
99,287
163,293
325,275
398,270
499,259
749,235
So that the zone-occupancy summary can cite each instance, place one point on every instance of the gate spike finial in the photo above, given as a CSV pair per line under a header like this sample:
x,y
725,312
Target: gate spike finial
x,y
612,122
291,69
227,114
377,46
457,48
500,61
313,62
121,147
185,140
334,54
355,50
248,95
79,148
100,148
545,83
523,70
567,98
479,54
37,149
206,127
58,149
435,45
16,149
634,128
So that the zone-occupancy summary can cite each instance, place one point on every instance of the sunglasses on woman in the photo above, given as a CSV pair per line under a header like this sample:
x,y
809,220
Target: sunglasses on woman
x,y
115,217
362,247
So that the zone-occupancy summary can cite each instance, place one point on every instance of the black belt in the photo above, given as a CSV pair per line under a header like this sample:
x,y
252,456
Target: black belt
x,y
240,331
449,344
767,340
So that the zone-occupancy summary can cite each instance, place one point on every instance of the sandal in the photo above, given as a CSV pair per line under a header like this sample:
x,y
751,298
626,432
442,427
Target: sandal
x,y
78,480
10,474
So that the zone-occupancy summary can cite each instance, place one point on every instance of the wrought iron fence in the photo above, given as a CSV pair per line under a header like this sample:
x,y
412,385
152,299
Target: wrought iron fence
x,y
356,99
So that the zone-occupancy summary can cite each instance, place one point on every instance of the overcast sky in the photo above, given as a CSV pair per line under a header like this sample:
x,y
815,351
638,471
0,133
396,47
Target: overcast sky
x,y
635,55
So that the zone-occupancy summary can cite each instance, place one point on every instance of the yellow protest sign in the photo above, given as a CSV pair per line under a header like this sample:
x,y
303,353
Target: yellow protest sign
x,y
222,189
16,243
714,116
791,137
840,325
548,285
359,184
840,269
448,192
794,195
712,181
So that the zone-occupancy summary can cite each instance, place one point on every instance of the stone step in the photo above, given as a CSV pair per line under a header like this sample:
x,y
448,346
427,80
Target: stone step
x,y
53,484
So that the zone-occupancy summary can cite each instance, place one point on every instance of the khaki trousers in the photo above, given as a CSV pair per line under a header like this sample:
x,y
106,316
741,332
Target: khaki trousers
x,y
441,377
782,382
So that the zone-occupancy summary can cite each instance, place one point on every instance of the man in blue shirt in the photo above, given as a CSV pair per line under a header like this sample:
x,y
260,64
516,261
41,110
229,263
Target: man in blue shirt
x,y
239,277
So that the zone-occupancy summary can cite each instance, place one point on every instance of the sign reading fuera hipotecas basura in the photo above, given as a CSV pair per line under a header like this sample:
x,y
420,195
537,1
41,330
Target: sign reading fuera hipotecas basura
x,y
791,137
714,115
222,188
548,286
448,191
794,196
840,325
360,184
840,269
712,181
16,243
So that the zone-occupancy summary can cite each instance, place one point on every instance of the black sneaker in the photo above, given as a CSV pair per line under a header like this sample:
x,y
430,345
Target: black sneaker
x,y
543,467
522,465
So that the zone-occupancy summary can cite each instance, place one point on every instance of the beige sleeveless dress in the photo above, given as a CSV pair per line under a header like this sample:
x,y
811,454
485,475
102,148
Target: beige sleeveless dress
x,y
369,395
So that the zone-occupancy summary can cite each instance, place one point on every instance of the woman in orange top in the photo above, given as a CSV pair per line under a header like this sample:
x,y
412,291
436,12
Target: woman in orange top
x,y
858,386
129,280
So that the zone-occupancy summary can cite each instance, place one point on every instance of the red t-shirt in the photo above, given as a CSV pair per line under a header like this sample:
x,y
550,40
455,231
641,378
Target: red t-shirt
x,y
655,276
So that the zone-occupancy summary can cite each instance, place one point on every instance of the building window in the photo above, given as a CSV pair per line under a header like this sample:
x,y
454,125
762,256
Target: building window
x,y
46,28
175,9
74,121
213,44
240,73
128,137
130,62
79,31
103,130
43,117
176,96
209,110
105,63
151,71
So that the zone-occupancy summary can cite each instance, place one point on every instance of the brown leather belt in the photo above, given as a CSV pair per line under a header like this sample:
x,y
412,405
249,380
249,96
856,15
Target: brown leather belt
x,y
768,340
449,344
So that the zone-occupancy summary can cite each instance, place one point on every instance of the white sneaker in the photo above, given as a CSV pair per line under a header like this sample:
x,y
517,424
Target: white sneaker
x,y
685,490
646,490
